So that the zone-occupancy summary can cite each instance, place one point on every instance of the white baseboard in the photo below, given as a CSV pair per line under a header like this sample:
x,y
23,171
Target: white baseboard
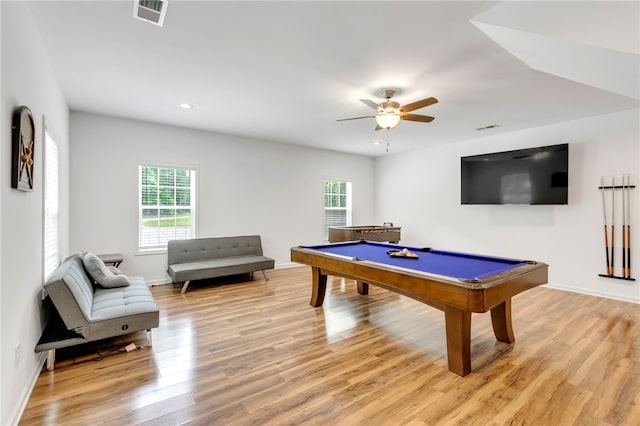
x,y
17,415
604,294
288,265
157,282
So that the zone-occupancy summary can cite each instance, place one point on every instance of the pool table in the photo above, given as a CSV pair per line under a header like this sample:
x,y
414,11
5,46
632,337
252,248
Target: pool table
x,y
456,283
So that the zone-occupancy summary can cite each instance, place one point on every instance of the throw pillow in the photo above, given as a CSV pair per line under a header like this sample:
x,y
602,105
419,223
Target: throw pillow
x,y
101,274
115,270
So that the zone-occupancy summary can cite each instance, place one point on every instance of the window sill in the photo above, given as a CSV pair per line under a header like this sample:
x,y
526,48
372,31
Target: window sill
x,y
150,252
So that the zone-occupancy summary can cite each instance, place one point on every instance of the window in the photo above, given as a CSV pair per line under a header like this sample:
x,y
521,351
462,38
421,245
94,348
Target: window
x,y
51,256
167,206
337,204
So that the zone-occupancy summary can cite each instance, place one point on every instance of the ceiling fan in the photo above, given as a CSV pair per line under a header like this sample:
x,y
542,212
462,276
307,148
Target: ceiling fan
x,y
390,112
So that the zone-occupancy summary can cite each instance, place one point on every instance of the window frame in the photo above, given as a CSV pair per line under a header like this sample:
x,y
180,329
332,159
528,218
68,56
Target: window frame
x,y
348,208
162,248
51,204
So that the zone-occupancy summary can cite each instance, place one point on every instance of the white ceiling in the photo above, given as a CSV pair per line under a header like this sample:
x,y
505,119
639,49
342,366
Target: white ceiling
x,y
285,71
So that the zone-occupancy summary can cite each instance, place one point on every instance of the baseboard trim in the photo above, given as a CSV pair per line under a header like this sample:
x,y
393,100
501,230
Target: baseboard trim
x,y
288,265
27,394
157,282
594,293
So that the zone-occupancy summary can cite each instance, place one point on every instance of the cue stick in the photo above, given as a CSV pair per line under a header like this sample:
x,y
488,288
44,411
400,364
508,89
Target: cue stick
x,y
627,220
624,227
629,225
613,221
606,232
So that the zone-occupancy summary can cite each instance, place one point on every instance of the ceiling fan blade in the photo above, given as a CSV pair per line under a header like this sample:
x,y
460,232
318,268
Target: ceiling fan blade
x,y
417,117
418,104
378,127
369,103
356,118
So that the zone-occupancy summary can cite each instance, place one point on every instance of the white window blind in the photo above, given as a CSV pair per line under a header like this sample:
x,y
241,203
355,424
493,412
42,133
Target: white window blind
x,y
337,204
51,194
166,207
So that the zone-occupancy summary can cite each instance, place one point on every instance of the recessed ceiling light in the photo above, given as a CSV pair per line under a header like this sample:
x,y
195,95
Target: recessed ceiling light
x,y
186,106
377,143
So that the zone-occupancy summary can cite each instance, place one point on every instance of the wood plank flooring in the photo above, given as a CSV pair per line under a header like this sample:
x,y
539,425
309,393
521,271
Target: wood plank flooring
x,y
256,353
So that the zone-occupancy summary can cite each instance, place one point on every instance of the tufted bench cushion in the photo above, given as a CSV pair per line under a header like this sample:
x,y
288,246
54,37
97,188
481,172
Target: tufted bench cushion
x,y
114,308
219,267
203,258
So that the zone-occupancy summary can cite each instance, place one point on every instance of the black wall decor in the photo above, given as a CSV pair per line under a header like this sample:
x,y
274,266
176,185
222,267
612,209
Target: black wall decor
x,y
23,144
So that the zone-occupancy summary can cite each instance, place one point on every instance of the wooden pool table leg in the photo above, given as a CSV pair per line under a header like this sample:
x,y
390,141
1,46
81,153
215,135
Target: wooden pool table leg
x,y
458,327
319,287
501,321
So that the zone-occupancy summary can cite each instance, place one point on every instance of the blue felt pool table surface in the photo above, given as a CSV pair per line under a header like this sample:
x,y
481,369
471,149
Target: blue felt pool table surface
x,y
450,264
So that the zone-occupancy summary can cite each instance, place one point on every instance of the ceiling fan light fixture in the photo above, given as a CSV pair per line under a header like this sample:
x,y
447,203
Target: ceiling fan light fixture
x,y
390,112
388,118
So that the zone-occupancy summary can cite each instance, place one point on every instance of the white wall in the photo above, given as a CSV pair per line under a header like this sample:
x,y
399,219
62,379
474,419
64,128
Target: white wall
x,y
27,79
569,238
245,186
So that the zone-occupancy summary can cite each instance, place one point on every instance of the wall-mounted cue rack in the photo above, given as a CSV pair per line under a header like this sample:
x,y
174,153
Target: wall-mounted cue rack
x,y
610,195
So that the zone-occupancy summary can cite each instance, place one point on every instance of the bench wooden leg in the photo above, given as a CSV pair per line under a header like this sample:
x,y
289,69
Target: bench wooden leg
x,y
264,274
184,286
149,341
51,359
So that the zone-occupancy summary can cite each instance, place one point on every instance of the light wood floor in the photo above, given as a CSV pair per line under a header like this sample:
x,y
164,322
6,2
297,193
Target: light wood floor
x,y
256,353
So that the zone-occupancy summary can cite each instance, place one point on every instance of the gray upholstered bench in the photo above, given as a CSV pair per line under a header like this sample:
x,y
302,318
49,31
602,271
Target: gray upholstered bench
x,y
85,312
203,258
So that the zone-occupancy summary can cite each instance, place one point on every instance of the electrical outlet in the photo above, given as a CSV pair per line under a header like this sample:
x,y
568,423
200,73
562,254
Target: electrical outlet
x,y
17,354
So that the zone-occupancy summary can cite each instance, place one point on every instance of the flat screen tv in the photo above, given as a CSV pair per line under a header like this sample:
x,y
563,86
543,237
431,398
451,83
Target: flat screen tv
x,y
525,176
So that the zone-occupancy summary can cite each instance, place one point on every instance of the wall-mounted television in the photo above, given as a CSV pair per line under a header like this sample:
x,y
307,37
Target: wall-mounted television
x,y
524,176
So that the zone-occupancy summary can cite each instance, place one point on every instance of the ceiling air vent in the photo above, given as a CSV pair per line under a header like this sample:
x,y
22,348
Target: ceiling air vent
x,y
150,10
